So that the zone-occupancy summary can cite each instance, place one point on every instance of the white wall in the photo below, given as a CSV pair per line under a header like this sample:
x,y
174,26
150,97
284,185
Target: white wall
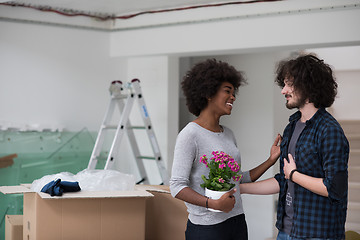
x,y
60,76
55,76
258,115
348,95
252,121
346,65
159,77
345,58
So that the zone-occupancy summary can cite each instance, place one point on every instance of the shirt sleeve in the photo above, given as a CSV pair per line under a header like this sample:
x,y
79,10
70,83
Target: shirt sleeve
x,y
246,177
278,178
184,155
335,155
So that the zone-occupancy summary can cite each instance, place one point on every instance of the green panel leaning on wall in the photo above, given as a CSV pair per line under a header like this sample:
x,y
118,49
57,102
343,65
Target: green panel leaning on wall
x,y
39,154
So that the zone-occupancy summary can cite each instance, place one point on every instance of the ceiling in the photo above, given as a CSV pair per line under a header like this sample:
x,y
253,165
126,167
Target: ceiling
x,y
118,7
109,15
97,13
112,7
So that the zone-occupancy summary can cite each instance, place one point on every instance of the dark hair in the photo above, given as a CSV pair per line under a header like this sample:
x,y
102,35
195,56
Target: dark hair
x,y
203,81
311,77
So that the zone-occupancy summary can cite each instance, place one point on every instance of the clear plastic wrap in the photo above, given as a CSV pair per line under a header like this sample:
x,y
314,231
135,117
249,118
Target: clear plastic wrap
x,y
91,180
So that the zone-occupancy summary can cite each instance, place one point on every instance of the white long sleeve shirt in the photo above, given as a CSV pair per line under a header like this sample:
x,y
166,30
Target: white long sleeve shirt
x,y
193,142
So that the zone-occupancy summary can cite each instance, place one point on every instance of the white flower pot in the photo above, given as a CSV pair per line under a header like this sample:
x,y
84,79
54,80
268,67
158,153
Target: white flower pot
x,y
214,195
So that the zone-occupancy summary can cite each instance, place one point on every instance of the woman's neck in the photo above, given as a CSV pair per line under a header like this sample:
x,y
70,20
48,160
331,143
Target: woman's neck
x,y
210,123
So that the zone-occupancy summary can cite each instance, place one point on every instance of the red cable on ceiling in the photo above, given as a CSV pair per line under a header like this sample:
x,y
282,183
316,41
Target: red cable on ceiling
x,y
102,17
191,7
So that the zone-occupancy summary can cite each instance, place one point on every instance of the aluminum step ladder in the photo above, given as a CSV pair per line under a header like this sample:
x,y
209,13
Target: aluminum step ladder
x,y
125,103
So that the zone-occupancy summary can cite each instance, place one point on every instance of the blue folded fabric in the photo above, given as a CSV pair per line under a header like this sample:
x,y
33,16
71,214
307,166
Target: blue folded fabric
x,y
58,187
53,188
70,186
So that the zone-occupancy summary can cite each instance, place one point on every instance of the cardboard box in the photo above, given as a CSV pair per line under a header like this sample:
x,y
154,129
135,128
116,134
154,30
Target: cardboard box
x,y
13,227
83,215
166,217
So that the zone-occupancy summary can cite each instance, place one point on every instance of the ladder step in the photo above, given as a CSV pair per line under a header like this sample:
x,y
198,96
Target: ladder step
x,y
115,127
137,127
146,157
141,181
109,126
119,97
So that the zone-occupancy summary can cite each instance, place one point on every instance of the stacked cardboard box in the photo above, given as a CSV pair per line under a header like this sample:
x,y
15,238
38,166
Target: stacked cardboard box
x,y
148,212
165,216
13,227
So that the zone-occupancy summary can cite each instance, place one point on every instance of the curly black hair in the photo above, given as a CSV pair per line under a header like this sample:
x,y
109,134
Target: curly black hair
x,y
204,80
311,77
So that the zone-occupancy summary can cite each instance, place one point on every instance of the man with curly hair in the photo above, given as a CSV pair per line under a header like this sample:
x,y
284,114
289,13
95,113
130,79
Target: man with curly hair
x,y
313,178
210,88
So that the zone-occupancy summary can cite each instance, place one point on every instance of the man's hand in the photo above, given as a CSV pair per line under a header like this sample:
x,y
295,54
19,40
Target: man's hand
x,y
289,166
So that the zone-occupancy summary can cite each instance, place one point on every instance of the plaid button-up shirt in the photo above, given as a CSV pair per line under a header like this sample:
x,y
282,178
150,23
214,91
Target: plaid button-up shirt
x,y
322,151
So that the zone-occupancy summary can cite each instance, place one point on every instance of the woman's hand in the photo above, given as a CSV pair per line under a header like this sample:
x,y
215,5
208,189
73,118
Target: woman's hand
x,y
275,149
255,173
225,203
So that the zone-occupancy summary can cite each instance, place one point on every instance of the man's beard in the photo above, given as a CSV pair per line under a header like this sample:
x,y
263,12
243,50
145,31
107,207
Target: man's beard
x,y
296,104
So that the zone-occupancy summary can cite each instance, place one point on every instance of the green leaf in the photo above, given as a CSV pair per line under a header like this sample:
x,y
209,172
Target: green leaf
x,y
219,186
227,186
203,178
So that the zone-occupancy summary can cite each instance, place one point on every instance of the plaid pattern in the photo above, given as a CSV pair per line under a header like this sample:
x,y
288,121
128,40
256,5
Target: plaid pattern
x,y
322,151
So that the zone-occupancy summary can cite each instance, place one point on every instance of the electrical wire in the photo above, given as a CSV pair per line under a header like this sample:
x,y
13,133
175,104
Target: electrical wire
x,y
106,17
64,12
192,7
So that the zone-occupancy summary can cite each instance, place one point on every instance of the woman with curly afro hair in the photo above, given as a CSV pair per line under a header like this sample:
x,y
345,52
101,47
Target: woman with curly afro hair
x,y
210,89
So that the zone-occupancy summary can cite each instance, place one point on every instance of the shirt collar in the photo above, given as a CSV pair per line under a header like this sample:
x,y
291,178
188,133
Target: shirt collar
x,y
297,115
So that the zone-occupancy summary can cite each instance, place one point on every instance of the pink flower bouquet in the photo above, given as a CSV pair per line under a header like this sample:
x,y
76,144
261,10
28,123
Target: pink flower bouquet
x,y
223,168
